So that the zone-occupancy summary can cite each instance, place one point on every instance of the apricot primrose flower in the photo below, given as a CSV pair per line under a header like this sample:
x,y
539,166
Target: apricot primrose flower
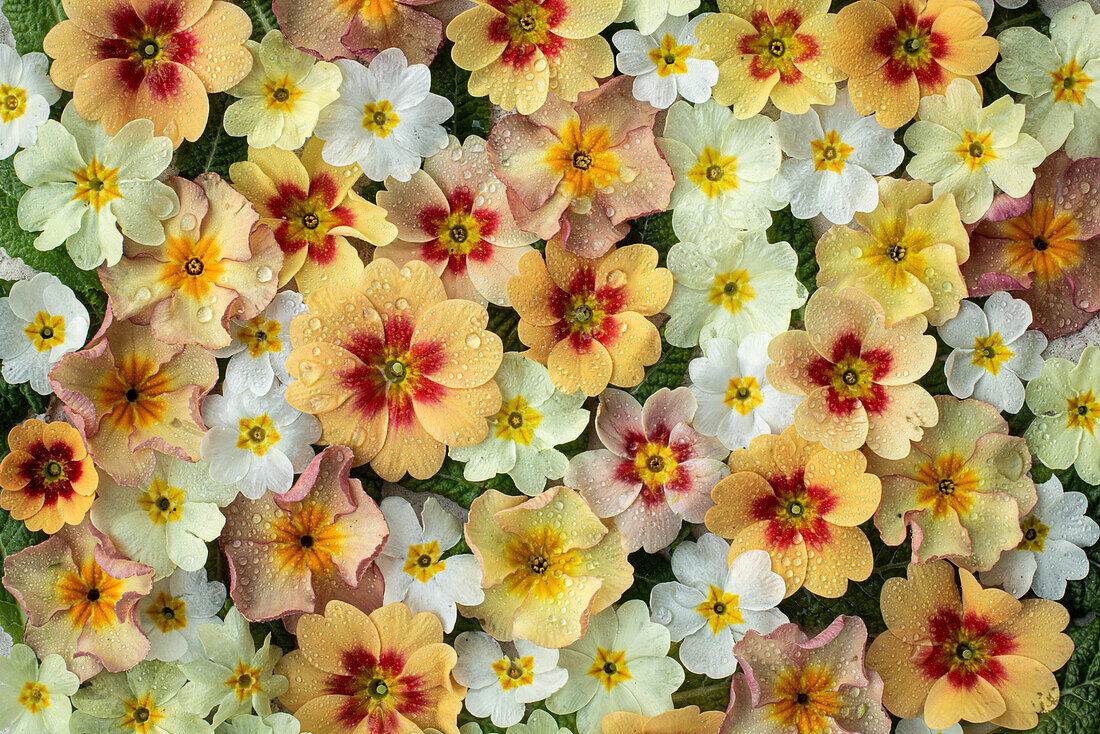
x,y
1066,401
586,318
48,479
982,657
530,550
80,596
312,209
905,254
523,52
216,265
581,171
857,375
688,719
131,395
779,50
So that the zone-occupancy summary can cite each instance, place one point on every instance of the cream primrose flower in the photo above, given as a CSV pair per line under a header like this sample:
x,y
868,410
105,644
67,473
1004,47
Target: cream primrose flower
x,y
173,611
1066,402
534,417
260,346
147,699
278,723
26,95
965,149
83,182
280,99
648,14
34,698
662,63
41,320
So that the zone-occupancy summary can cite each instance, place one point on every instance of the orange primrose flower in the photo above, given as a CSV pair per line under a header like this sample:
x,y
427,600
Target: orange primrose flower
x,y
48,479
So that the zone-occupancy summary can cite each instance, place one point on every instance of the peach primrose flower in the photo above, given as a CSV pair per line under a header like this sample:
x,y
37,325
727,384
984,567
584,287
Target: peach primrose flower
x,y
585,319
801,503
394,369
777,50
158,59
982,657
676,721
905,254
858,376
531,550
964,488
388,671
1045,246
130,394
294,552
312,209
340,29
519,50
581,171
897,51
792,684
80,595
214,266
48,478
454,216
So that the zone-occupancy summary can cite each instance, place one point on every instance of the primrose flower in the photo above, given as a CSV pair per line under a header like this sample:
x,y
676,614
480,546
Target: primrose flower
x,y
47,478
389,670
215,266
257,355
86,185
985,657
662,63
1044,246
896,53
40,321
521,51
453,214
293,552
174,610
26,95
277,723
34,698
905,254
80,595
778,50
534,417
585,319
312,209
280,99
530,550
129,58
394,369
792,683
655,469
147,698
1066,402
803,504
858,376
131,395
685,719
964,487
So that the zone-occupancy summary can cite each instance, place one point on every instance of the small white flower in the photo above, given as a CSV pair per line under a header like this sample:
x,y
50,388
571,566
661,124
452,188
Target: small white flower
x,y
261,345
34,699
736,402
386,119
648,14
40,321
534,418
257,442
501,684
621,664
662,63
413,566
834,155
712,604
26,94
992,351
1055,533
172,612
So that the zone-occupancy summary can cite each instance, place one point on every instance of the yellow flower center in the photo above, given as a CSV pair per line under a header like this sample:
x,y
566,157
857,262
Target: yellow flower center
x,y
34,697
974,149
91,595
245,681
515,673
96,185
990,353
541,563
807,700
743,394
583,160
281,94
379,118
459,233
527,23
913,46
46,331
257,434
517,421
1082,411
776,47
13,102
721,609
305,538
896,252
670,58
261,335
133,394
656,465
830,152
947,485
731,290
1069,83
141,715
163,503
1042,242
193,267
714,173
610,668
1035,534
423,561
167,612
852,379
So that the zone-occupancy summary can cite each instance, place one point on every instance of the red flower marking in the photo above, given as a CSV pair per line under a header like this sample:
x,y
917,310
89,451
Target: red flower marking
x,y
47,464
963,649
851,376
307,218
795,512
587,311
478,224
377,691
146,46
526,26
901,62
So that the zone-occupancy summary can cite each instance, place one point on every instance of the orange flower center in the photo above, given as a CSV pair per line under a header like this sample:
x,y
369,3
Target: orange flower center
x,y
34,697
282,94
96,185
830,153
168,613
947,485
1082,411
808,699
305,538
134,395
515,673
141,715
584,160
91,595
714,173
193,268
743,394
163,502
671,57
245,681
731,290
721,609
1042,242
261,335
1069,83
46,331
975,149
610,668
516,421
540,562
424,561
990,352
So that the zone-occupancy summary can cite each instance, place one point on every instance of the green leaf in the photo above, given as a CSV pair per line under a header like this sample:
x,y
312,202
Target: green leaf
x,y
655,230
450,483
504,322
17,403
14,537
668,371
262,16
216,150
799,233
31,20
471,115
